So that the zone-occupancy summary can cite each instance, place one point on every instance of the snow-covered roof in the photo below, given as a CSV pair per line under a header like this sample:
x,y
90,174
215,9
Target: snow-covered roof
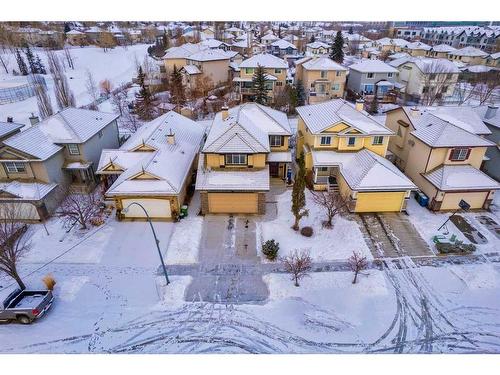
x,y
212,55
74,32
26,191
241,44
184,51
427,65
320,63
490,116
317,44
460,177
213,43
478,68
265,60
167,164
437,132
269,36
280,156
321,116
231,180
418,46
443,48
283,44
495,56
71,125
191,69
372,66
246,129
9,127
469,51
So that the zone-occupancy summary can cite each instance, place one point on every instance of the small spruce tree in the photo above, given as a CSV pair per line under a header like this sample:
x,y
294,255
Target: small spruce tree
x,y
298,193
301,94
23,69
144,100
374,105
39,65
177,87
259,85
313,39
31,60
337,53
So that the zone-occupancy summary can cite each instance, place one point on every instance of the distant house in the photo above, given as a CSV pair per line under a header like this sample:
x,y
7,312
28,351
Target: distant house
x,y
153,167
76,38
441,51
468,55
52,156
281,48
344,150
370,77
426,79
246,146
317,49
268,39
275,68
322,78
441,149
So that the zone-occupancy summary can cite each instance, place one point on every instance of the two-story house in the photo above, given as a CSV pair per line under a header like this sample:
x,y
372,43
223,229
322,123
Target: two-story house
x,y
153,167
426,78
274,67
344,150
59,152
441,51
468,55
372,77
441,150
417,49
317,49
282,48
322,78
246,146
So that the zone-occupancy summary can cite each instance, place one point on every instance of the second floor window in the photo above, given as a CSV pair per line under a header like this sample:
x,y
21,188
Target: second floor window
x,y
378,140
369,75
351,141
459,154
276,140
73,149
324,74
15,167
236,159
389,75
325,141
277,71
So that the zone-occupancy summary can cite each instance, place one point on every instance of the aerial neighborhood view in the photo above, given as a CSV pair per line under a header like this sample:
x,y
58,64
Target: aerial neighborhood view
x,y
249,187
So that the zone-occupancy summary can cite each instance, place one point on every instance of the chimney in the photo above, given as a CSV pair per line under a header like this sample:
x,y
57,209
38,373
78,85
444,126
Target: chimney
x,y
491,111
360,105
225,112
414,111
171,138
10,119
34,119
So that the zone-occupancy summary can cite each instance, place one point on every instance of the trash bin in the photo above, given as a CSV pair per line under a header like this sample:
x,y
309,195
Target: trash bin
x,y
184,211
423,200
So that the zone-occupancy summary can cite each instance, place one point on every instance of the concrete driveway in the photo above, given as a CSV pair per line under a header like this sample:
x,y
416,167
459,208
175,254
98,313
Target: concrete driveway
x,y
229,267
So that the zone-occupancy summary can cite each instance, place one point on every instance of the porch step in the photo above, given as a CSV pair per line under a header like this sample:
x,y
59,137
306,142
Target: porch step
x,y
334,188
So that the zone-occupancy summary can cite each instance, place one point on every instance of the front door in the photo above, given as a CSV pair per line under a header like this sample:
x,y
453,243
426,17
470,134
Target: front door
x,y
274,169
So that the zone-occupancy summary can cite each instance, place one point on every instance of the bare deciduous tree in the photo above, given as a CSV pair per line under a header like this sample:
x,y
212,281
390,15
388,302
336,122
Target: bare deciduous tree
x,y
119,102
130,121
5,61
80,208
43,101
106,87
479,86
92,89
64,95
331,202
357,263
69,58
15,240
436,78
298,264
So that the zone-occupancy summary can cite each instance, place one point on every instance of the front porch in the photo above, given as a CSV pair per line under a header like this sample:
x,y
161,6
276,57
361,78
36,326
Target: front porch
x,y
325,178
82,177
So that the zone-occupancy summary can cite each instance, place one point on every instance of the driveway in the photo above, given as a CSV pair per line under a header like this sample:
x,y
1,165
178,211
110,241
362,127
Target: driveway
x,y
229,268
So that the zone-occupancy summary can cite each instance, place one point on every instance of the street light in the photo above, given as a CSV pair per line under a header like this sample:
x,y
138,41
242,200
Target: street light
x,y
154,234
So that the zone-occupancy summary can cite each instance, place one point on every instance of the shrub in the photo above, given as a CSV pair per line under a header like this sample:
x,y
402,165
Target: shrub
x,y
307,231
97,221
49,282
270,249
458,248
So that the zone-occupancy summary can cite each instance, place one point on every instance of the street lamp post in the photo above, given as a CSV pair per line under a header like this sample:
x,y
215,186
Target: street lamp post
x,y
154,234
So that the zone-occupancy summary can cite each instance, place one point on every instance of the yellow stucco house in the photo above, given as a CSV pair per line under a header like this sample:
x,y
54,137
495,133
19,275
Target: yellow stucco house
x,y
469,55
345,150
275,69
246,146
442,149
153,168
322,78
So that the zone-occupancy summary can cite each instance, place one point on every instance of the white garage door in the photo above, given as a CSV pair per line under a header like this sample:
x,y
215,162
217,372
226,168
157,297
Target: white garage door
x,y
156,208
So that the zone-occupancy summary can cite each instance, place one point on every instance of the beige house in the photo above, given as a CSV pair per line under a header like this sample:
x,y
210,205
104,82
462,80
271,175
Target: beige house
x,y
246,146
417,49
468,55
153,168
344,150
322,78
441,150
177,56
441,51
76,38
391,45
275,69
57,154
317,49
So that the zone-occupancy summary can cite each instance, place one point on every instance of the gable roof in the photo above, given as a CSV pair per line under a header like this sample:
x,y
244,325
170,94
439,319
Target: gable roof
x,y
27,191
212,55
321,63
246,129
265,60
317,44
283,44
372,66
9,127
469,51
443,48
428,65
321,116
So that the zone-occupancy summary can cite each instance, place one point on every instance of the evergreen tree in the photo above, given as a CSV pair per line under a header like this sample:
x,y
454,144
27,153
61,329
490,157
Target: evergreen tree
x,y
298,194
66,27
31,60
144,100
313,39
301,94
39,65
293,98
177,87
351,31
23,69
337,53
259,85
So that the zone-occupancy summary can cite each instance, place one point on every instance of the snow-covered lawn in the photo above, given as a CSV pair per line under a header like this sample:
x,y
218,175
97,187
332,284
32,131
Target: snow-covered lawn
x,y
185,242
173,294
337,243
117,65
427,223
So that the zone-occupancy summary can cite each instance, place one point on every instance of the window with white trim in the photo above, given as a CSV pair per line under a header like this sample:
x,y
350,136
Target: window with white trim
x,y
459,154
73,149
369,75
276,140
351,141
236,159
378,140
15,167
335,87
389,75
326,140
324,74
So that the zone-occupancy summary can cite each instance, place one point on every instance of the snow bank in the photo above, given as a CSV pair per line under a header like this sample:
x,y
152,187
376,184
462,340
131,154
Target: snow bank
x,y
185,241
68,289
476,276
325,244
172,295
